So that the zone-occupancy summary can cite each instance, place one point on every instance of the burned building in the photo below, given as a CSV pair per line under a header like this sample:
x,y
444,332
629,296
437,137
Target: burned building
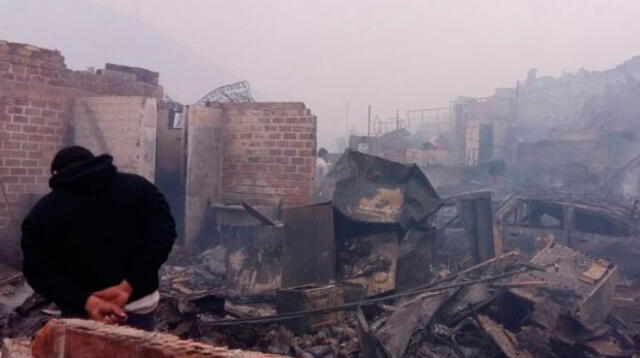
x,y
201,155
259,153
366,269
555,132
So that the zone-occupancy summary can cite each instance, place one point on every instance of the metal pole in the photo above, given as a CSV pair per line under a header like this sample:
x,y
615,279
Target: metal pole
x,y
369,123
348,131
515,115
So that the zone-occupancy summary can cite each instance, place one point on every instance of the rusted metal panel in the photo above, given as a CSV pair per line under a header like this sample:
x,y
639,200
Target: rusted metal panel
x,y
415,253
258,214
372,189
407,319
477,216
309,253
237,215
310,297
369,261
370,344
254,259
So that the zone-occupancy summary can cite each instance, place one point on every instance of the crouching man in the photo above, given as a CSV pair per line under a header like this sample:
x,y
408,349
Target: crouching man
x,y
95,243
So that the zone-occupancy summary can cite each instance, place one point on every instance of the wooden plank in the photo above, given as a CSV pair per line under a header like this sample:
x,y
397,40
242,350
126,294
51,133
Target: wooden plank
x,y
504,339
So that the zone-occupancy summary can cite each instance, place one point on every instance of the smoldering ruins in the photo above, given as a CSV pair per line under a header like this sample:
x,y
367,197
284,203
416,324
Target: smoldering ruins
x,y
503,226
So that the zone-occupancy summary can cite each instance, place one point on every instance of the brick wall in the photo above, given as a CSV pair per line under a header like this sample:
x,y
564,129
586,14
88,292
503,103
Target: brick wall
x,y
37,92
259,153
74,338
269,152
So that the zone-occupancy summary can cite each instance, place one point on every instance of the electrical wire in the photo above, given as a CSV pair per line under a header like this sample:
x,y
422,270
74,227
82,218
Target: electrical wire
x,y
303,314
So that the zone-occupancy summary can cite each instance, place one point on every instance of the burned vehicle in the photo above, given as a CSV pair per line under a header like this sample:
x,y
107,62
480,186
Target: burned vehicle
x,y
527,223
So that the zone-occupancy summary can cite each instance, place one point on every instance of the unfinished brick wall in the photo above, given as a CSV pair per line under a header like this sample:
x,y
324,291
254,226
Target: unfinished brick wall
x,y
269,153
37,92
259,153
74,338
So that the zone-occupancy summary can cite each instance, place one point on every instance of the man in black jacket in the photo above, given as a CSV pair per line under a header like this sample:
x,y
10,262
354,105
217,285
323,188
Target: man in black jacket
x,y
94,244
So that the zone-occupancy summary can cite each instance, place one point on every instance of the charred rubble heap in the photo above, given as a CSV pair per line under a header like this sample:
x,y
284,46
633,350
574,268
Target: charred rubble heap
x,y
363,273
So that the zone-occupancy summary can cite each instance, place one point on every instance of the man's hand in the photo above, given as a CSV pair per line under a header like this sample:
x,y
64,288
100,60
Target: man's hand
x,y
118,294
103,311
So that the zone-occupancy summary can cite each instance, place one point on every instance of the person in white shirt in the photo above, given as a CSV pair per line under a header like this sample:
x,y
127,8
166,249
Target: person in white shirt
x,y
322,166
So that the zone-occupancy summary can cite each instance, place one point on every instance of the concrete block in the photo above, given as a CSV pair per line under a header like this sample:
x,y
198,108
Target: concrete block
x,y
124,127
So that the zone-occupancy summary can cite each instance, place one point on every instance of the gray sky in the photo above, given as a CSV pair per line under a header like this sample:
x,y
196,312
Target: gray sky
x,y
392,54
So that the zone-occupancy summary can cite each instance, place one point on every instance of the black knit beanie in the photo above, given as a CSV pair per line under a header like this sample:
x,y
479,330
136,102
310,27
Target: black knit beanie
x,y
69,156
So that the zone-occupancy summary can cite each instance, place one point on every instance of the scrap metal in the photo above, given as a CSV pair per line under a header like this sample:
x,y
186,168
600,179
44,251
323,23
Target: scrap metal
x,y
372,189
233,92
309,250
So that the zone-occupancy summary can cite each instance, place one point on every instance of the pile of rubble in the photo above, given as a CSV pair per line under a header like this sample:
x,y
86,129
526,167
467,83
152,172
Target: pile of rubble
x,y
335,341
560,307
199,274
556,305
559,304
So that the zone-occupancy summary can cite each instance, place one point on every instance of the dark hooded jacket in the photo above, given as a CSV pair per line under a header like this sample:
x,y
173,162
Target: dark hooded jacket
x,y
96,228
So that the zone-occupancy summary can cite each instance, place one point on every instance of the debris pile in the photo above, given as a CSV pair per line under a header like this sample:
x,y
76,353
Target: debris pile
x,y
559,307
202,273
335,341
559,304
372,271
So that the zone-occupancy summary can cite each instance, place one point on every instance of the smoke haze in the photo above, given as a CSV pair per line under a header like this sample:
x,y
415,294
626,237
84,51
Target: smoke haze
x,y
390,54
